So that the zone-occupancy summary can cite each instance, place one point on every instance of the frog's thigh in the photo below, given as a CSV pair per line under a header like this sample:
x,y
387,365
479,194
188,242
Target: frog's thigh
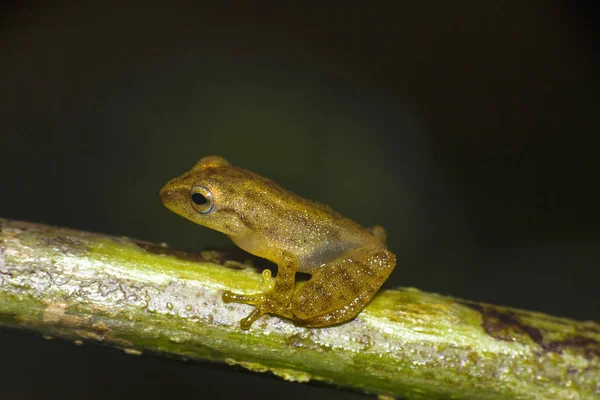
x,y
339,290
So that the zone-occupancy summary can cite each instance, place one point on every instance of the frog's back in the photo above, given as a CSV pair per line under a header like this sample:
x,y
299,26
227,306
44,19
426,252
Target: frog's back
x,y
312,231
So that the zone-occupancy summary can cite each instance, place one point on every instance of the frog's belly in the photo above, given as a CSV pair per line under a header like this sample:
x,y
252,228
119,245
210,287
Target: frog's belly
x,y
310,257
312,261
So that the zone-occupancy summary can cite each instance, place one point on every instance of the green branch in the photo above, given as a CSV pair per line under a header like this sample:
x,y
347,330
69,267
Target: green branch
x,y
143,297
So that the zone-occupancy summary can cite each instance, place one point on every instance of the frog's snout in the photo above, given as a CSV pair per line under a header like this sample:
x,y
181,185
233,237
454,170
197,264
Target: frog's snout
x,y
164,193
169,194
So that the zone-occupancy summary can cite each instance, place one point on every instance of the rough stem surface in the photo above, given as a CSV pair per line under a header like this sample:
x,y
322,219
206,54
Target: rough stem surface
x,y
144,297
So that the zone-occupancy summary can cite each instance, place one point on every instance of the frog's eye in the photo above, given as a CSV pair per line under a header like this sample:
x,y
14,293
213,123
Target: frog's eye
x,y
202,199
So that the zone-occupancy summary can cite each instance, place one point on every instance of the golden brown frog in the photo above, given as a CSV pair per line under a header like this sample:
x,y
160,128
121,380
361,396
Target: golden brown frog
x,y
348,262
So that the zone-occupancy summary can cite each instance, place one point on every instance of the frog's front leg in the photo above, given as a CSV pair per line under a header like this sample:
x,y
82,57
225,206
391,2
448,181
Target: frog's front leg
x,y
277,297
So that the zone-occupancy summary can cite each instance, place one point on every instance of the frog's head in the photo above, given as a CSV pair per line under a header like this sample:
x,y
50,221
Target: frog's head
x,y
209,195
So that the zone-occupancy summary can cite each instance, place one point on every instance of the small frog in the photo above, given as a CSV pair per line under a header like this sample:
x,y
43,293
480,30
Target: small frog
x,y
348,262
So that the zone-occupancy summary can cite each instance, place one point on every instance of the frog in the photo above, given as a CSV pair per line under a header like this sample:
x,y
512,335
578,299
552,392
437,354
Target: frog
x,y
347,263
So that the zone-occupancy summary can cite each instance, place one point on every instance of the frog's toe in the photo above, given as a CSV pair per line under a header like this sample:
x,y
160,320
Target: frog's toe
x,y
246,323
253,299
258,300
268,302
265,303
268,279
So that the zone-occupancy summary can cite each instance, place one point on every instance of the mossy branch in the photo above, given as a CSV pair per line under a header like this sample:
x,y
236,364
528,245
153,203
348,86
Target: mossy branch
x,y
143,297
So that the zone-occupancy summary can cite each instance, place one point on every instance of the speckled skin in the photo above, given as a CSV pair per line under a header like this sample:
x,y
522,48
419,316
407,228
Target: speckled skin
x,y
348,262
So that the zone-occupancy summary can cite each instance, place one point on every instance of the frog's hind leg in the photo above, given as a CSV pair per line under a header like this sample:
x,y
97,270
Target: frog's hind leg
x,y
338,292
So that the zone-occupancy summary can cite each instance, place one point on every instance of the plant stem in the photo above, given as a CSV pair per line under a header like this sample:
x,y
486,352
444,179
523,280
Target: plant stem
x,y
144,297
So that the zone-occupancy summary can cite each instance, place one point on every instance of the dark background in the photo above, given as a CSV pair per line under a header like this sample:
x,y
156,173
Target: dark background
x,y
468,129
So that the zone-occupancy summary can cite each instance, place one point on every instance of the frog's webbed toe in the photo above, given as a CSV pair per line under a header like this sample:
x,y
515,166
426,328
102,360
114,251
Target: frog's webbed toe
x,y
257,300
266,302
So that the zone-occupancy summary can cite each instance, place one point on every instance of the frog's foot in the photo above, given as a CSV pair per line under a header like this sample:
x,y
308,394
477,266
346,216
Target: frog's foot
x,y
267,302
